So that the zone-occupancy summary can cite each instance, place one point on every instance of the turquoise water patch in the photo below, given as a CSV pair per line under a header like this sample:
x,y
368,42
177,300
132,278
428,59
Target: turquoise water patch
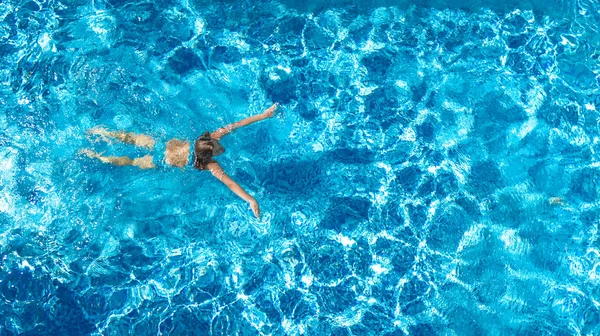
x,y
431,169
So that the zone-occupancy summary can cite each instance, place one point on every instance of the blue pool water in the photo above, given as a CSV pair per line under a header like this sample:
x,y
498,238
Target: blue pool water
x,y
433,168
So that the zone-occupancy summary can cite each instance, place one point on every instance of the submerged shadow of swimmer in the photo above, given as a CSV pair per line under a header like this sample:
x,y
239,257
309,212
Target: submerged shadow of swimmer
x,y
177,152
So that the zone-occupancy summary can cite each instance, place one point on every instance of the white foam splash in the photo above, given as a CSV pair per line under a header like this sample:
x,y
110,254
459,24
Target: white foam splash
x,y
408,135
513,243
44,42
378,269
25,264
199,26
307,280
346,241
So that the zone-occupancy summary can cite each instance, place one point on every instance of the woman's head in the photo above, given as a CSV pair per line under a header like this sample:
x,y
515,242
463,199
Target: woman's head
x,y
177,153
203,151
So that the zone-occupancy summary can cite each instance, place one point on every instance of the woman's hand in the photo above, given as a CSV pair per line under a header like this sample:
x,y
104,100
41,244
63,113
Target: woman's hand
x,y
270,112
223,131
255,208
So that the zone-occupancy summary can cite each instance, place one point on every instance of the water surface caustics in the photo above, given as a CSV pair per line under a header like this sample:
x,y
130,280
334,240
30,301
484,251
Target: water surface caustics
x,y
433,169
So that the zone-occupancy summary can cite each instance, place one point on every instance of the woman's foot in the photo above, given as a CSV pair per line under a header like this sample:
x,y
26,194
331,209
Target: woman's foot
x,y
89,153
100,132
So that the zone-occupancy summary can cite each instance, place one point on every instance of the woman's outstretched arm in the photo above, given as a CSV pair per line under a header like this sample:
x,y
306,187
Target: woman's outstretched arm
x,y
223,131
218,172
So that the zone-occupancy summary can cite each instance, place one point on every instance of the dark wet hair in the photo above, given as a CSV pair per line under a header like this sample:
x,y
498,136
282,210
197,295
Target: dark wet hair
x,y
203,151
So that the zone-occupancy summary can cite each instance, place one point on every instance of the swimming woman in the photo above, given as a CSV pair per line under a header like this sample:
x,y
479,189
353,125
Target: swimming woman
x,y
177,152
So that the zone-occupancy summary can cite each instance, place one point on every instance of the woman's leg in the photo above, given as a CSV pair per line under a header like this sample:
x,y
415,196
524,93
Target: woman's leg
x,y
139,140
143,162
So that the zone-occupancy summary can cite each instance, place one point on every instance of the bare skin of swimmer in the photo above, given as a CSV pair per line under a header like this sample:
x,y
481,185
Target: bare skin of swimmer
x,y
146,162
